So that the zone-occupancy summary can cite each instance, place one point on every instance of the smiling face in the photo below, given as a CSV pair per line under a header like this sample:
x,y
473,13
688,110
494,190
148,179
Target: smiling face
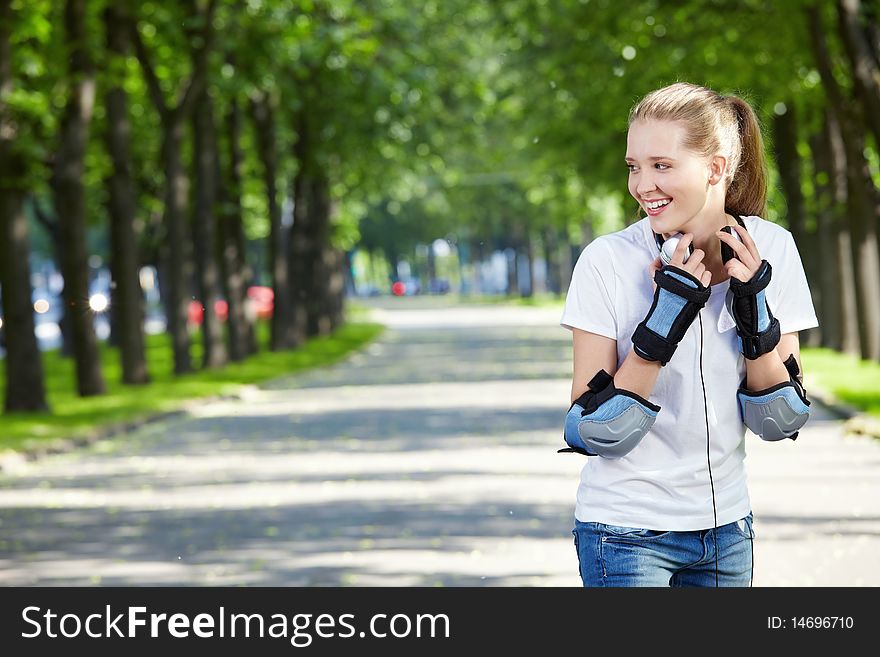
x,y
661,168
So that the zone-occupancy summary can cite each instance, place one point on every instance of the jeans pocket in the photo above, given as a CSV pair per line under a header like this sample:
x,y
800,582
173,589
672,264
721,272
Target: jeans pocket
x,y
744,526
619,532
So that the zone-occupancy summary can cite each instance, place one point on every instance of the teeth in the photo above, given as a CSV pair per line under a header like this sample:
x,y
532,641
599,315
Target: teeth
x,y
658,204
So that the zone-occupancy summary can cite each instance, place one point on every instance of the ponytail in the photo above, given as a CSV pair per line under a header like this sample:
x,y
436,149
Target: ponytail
x,y
747,191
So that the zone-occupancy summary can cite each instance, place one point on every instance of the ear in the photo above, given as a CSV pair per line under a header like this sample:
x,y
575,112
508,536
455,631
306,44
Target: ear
x,y
717,169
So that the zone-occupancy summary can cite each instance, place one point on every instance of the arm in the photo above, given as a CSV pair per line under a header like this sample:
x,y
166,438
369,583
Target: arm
x,y
768,370
594,352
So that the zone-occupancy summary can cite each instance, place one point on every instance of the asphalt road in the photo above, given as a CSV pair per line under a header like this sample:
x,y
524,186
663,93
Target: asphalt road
x,y
429,458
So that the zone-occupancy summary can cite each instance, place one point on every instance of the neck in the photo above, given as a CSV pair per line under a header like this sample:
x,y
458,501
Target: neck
x,y
704,229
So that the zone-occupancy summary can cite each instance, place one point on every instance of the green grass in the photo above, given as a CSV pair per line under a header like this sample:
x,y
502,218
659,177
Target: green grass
x,y
853,381
73,416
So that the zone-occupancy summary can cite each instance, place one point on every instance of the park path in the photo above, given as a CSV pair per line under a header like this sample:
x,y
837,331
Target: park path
x,y
428,458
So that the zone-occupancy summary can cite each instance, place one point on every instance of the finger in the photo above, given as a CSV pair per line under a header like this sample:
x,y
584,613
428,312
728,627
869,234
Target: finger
x,y
681,249
740,273
697,272
706,278
748,241
696,257
742,252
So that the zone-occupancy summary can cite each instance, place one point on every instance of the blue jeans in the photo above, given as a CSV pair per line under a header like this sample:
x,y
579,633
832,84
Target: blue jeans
x,y
611,555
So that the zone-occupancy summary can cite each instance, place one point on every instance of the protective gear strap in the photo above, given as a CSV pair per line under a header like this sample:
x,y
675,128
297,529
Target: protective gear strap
x,y
677,301
606,421
779,411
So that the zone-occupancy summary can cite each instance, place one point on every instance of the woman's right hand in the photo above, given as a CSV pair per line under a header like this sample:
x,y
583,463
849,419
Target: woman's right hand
x,y
685,291
693,266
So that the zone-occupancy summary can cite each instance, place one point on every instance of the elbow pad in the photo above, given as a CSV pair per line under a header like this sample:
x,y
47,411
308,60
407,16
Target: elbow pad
x,y
779,411
606,421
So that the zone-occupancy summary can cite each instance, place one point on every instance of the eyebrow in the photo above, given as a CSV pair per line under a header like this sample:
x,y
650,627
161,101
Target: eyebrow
x,y
653,158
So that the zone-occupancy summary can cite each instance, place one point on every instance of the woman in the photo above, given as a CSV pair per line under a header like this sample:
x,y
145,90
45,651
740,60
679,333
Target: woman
x,y
673,361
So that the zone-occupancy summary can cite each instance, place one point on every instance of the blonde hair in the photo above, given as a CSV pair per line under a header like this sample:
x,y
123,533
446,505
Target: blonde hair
x,y
716,124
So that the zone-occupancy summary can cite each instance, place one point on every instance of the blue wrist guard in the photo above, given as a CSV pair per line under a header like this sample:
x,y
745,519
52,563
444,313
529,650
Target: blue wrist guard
x,y
606,421
677,300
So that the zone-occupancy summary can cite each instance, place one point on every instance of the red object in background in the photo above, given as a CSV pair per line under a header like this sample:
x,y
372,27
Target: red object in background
x,y
263,299
196,313
398,289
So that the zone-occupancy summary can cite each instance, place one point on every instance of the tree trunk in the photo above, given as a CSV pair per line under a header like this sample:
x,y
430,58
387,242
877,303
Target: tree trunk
x,y
849,331
530,263
830,308
550,245
235,224
431,264
348,271
204,234
70,201
24,364
866,74
301,246
861,208
332,312
179,258
175,252
789,166
127,303
319,258
566,263
264,121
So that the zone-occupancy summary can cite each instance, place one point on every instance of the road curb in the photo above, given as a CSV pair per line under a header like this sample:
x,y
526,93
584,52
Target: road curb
x,y
855,421
13,459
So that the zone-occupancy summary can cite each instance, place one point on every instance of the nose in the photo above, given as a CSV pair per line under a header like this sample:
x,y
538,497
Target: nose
x,y
645,184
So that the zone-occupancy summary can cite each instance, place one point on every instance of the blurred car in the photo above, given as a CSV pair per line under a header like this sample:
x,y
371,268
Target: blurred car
x,y
438,286
368,290
263,299
406,287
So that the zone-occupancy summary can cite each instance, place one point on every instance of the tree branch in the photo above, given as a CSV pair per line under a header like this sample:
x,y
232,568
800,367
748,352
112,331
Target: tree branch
x,y
199,76
150,76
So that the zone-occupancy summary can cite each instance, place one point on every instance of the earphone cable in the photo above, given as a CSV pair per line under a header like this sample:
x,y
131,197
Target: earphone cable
x,y
708,460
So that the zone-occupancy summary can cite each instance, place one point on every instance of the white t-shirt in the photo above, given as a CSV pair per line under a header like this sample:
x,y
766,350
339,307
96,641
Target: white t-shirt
x,y
664,482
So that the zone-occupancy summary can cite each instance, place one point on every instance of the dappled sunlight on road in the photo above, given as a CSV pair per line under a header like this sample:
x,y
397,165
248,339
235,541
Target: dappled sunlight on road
x,y
428,458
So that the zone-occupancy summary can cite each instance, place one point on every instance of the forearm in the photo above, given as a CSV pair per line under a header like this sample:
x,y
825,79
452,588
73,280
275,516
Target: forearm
x,y
765,371
638,375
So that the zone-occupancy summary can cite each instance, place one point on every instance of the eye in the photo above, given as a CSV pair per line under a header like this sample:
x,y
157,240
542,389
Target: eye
x,y
660,164
630,167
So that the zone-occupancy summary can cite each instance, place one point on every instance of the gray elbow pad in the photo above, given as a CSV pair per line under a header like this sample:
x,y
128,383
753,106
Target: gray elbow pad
x,y
606,421
779,411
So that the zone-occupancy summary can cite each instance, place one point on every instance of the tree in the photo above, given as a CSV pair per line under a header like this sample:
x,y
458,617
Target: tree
x,y
70,201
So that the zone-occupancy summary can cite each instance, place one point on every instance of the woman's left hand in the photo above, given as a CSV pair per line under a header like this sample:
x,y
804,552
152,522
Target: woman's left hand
x,y
745,265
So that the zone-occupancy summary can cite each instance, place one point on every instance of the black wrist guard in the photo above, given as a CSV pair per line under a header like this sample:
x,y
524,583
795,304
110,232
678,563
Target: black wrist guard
x,y
757,328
